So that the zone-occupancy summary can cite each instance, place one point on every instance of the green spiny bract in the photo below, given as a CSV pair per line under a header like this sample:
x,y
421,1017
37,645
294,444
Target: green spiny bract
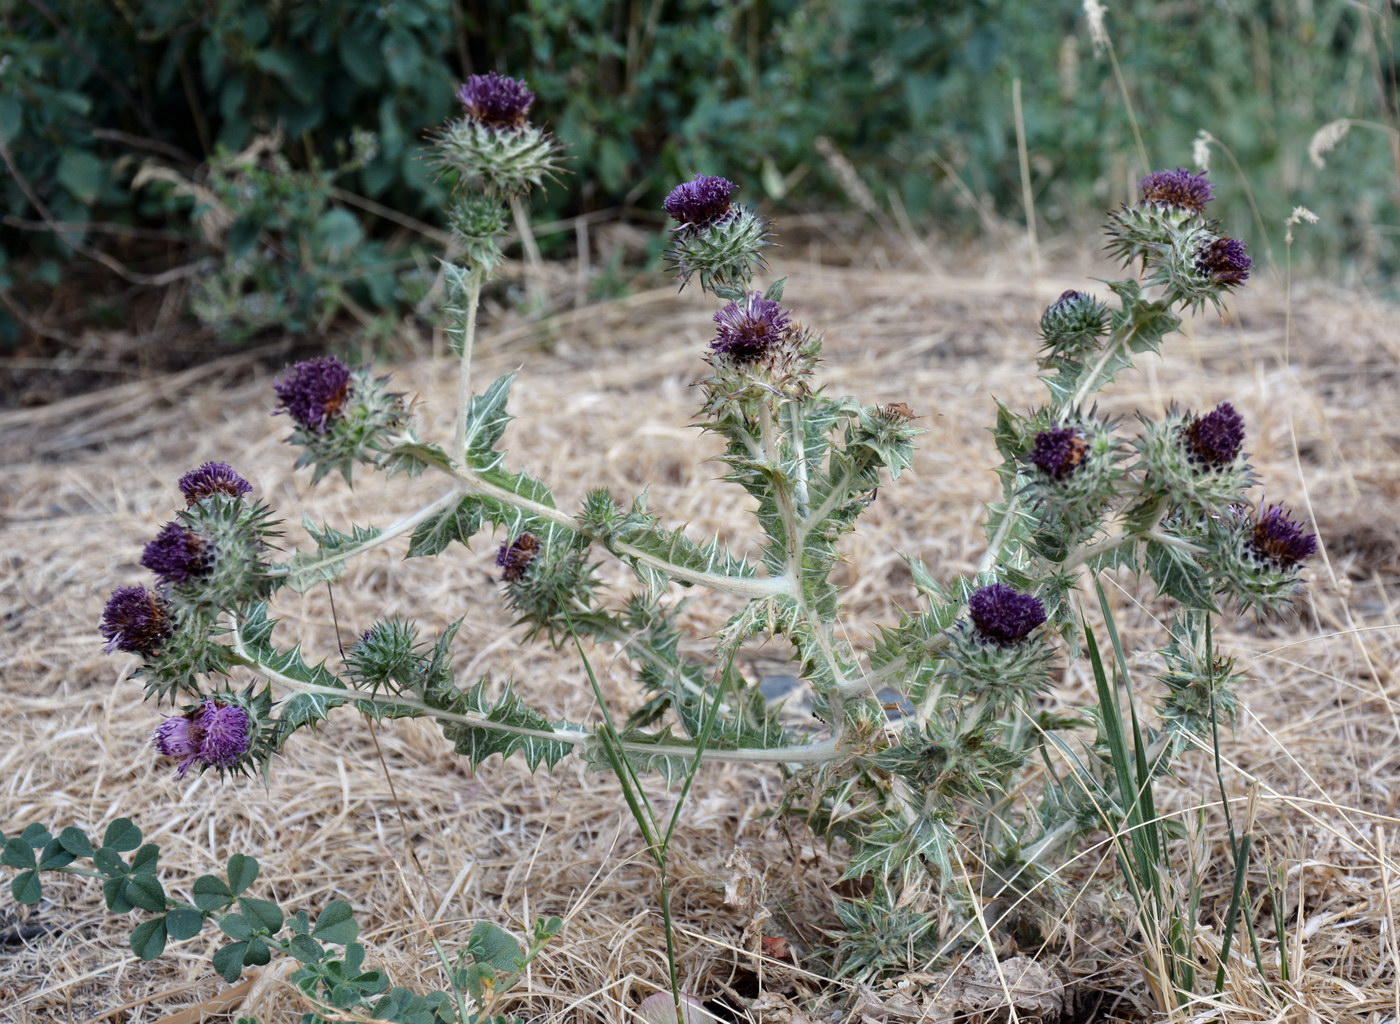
x,y
1174,472
1072,473
1072,327
478,222
499,163
1233,562
187,654
387,657
236,536
1200,685
998,677
360,431
722,255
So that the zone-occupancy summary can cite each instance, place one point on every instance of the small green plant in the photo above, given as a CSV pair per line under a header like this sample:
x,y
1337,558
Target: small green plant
x,y
333,981
979,762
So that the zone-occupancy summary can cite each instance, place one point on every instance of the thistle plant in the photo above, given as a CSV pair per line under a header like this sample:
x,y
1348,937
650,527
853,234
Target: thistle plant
x,y
1163,499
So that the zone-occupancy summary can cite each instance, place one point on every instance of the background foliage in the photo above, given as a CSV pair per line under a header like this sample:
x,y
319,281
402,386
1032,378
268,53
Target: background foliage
x,y
645,92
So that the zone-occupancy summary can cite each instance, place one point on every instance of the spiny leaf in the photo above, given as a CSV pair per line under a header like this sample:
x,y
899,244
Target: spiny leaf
x,y
459,523
479,742
305,569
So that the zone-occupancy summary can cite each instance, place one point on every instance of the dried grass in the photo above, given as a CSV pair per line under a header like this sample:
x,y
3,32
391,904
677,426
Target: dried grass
x,y
608,401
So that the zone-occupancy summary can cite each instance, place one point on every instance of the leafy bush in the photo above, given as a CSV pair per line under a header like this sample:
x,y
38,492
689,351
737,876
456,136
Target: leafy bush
x,y
957,817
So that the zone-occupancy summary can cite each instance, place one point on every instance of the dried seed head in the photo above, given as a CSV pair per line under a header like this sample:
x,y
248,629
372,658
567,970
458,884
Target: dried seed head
x,y
210,479
700,202
1279,540
177,555
1215,439
1179,188
496,101
515,557
136,620
1004,615
750,328
1059,452
314,392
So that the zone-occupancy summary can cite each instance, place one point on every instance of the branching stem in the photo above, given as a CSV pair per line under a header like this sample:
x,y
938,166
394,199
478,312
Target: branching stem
x,y
815,752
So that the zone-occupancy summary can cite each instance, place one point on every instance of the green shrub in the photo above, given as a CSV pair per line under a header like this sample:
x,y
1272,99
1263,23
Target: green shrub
x,y
645,93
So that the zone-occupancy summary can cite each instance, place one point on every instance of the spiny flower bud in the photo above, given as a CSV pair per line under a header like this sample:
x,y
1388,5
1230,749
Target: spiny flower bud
x,y
514,557
494,149
210,479
750,328
1179,188
1197,266
342,416
1058,452
1279,540
1224,261
716,240
1003,615
1073,324
136,620
314,392
1215,439
177,555
700,202
496,101
478,222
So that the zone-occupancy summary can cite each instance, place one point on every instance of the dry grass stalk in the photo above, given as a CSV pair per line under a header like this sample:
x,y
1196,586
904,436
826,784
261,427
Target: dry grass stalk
x,y
1318,751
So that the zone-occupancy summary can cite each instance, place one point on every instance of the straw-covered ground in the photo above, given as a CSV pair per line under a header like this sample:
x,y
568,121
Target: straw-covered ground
x,y
422,846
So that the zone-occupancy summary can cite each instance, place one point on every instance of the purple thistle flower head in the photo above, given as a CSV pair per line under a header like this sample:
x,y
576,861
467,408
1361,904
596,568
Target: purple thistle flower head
x,y
225,733
1058,452
136,620
1225,261
178,737
177,555
701,201
514,557
750,328
1178,188
1280,540
210,479
1003,615
314,392
496,101
1215,438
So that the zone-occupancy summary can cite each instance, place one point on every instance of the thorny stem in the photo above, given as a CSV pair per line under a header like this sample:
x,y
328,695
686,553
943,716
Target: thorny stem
x,y
793,543
385,535
464,371
819,751
1086,386
746,586
1081,555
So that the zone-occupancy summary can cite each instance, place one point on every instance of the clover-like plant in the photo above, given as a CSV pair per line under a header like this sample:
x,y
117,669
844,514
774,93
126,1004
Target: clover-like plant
x,y
975,659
